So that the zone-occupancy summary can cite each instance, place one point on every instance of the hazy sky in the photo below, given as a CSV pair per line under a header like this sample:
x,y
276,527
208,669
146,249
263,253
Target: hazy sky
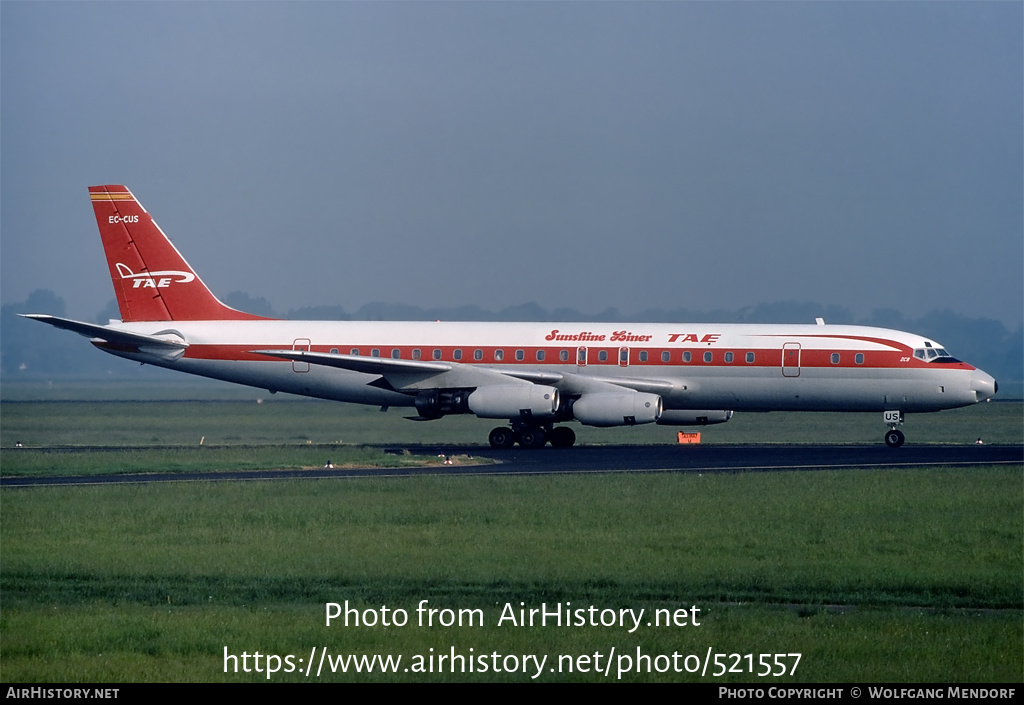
x,y
586,155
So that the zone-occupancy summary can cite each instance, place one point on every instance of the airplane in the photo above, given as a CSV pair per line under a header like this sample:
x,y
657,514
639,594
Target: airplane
x,y
531,375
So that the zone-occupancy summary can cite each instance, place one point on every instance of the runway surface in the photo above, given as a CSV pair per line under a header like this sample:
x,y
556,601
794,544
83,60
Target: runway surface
x,y
605,459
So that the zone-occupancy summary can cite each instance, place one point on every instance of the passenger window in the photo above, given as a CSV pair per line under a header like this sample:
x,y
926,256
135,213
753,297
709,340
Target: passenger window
x,y
520,355
643,356
707,356
750,357
665,356
478,354
375,352
687,356
564,356
416,354
603,356
436,354
835,358
396,353
354,351
457,355
623,355
499,355
728,357
334,351
540,356
859,358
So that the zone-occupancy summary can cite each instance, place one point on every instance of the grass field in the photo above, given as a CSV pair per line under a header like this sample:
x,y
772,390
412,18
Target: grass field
x,y
872,576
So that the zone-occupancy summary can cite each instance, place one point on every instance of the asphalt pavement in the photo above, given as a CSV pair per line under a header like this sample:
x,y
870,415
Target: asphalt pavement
x,y
606,459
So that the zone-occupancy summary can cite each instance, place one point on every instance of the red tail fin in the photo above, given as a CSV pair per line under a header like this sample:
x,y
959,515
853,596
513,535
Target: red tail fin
x,y
153,282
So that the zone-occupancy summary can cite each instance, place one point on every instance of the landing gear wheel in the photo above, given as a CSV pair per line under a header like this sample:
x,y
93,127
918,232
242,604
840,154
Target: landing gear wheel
x,y
894,438
502,438
562,437
532,438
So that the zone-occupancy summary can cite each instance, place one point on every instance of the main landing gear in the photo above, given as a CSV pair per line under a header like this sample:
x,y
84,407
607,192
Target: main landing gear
x,y
532,436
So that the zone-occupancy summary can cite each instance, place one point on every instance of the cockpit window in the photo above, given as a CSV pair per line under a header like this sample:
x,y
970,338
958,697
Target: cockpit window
x,y
930,354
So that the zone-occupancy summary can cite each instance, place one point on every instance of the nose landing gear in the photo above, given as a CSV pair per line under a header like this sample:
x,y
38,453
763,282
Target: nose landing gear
x,y
894,438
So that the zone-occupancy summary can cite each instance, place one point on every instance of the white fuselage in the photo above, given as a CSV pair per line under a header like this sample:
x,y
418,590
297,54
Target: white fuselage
x,y
738,367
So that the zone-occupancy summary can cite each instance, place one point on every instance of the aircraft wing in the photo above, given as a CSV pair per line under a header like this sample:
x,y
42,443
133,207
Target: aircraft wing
x,y
109,337
360,363
404,375
574,384
422,374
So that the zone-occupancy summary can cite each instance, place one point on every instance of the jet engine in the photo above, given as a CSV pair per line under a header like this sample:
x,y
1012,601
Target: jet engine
x,y
612,409
436,403
503,401
687,417
512,401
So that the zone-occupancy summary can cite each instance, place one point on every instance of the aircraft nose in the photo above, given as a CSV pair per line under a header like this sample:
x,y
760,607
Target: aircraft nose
x,y
983,385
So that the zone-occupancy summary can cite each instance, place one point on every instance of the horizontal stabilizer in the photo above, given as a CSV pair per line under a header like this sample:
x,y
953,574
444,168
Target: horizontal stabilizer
x,y
116,336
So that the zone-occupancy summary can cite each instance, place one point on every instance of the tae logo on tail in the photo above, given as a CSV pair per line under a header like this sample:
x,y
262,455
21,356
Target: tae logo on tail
x,y
154,280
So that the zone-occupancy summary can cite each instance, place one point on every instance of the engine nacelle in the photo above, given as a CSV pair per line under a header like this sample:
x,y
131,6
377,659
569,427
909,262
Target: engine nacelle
x,y
687,417
612,409
435,403
514,401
